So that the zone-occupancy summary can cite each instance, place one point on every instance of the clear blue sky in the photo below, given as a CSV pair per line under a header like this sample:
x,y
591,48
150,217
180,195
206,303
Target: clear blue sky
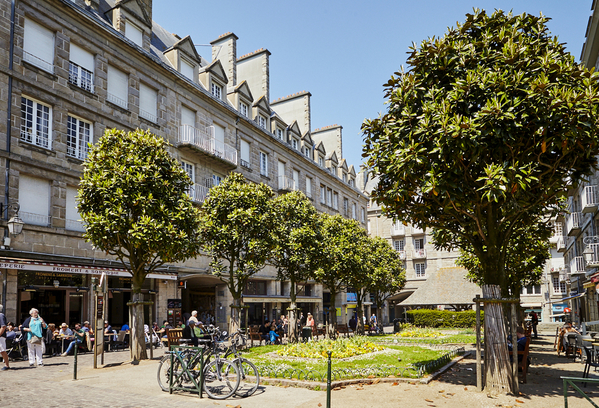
x,y
342,52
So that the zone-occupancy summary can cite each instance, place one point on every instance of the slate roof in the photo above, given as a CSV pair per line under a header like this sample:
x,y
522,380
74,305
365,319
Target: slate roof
x,y
448,286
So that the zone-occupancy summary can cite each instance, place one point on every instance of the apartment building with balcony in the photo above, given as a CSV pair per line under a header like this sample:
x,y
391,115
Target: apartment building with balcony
x,y
77,68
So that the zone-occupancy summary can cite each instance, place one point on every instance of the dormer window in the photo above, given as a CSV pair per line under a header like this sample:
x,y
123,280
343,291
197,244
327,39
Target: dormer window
x,y
262,121
186,69
243,109
307,152
280,134
321,161
217,90
134,33
352,182
294,143
344,177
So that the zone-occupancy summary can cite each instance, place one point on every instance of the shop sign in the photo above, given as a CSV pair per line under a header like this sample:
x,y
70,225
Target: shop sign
x,y
70,269
559,307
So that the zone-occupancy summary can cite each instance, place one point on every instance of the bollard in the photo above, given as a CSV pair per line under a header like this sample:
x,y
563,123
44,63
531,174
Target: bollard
x,y
75,364
202,371
329,381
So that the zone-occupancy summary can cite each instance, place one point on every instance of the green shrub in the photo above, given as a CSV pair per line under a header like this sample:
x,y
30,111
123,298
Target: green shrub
x,y
443,318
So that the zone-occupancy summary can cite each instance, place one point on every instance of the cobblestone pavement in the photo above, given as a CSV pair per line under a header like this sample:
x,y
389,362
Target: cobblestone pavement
x,y
120,384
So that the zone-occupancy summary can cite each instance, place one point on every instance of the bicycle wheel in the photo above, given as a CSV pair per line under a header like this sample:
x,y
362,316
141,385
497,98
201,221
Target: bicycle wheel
x,y
164,370
221,379
250,378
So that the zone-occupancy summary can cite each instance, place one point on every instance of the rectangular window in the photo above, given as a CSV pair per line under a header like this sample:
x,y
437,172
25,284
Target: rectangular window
x,y
323,193
420,269
148,100
255,288
79,135
186,69
294,144
559,288
353,211
531,290
362,214
345,207
263,164
245,153
399,245
134,33
309,187
219,140
320,161
262,121
345,177
335,201
329,197
279,134
118,87
188,117
243,109
189,169
216,180
352,182
36,123
217,90
34,200
38,46
295,180
81,68
418,243
307,152
72,218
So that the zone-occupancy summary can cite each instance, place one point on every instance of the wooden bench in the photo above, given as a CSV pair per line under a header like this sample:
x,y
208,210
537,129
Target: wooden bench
x,y
523,364
173,337
343,329
254,335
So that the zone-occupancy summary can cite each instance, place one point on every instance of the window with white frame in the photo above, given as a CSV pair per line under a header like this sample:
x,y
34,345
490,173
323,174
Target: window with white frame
x,y
189,169
323,193
216,90
117,91
345,206
294,144
188,119
243,109
353,211
336,200
399,245
352,182
216,179
418,243
362,214
295,180
531,290
186,69
244,148
262,121
38,45
307,152
134,33
148,101
263,164
320,161
81,68
36,123
559,288
420,269
345,177
34,200
329,197
72,218
309,187
79,135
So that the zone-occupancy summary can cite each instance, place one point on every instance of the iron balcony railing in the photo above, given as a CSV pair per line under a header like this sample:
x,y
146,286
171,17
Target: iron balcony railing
x,y
116,100
561,244
198,193
573,222
593,255
590,199
419,253
74,225
286,183
35,219
38,62
398,229
204,140
416,230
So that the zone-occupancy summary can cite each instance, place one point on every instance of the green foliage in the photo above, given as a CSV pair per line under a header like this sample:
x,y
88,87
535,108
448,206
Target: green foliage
x,y
237,220
386,274
443,318
132,198
481,133
339,348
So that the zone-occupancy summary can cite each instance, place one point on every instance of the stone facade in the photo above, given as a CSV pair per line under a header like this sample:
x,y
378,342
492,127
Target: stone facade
x,y
203,101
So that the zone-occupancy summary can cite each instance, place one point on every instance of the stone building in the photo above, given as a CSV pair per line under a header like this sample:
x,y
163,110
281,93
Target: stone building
x,y
71,70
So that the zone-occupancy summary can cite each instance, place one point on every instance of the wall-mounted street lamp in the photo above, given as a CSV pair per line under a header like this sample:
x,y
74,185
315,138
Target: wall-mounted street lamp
x,y
15,223
56,283
591,251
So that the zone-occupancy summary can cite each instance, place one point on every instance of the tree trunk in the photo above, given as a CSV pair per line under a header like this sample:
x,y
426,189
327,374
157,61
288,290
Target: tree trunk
x,y
331,328
360,316
379,313
137,337
498,371
292,327
235,322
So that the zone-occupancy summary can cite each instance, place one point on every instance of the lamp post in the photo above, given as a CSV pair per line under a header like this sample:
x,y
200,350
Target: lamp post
x,y
15,226
591,250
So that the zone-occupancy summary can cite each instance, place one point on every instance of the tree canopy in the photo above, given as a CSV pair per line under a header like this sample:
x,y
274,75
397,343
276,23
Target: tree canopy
x,y
133,201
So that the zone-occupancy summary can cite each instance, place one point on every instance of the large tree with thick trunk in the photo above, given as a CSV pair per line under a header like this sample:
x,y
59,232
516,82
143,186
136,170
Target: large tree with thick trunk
x,y
237,220
133,199
488,125
298,243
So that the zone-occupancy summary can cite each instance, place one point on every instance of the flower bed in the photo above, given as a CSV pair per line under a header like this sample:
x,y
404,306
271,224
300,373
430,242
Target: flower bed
x,y
340,348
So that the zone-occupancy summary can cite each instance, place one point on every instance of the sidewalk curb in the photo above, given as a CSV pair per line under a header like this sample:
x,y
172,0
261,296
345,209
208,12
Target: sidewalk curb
x,y
446,367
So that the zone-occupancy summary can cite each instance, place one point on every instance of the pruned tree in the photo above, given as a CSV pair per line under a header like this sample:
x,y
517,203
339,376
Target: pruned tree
x,y
386,273
358,266
298,243
483,129
133,201
343,238
237,220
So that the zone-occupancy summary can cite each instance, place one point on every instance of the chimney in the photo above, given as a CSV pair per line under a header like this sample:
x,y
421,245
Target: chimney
x,y
224,49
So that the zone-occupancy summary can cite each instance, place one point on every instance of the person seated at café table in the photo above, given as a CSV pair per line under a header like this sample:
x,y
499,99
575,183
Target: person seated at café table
x,y
521,341
87,328
189,333
264,329
125,327
65,331
566,329
79,338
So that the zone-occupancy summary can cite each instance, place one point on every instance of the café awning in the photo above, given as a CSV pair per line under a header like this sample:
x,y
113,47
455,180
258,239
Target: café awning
x,y
567,298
